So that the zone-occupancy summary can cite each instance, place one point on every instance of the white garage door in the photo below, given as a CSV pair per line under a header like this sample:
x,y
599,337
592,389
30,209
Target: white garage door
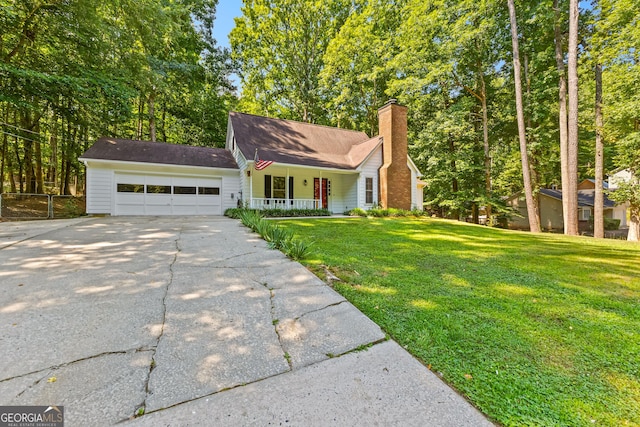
x,y
167,195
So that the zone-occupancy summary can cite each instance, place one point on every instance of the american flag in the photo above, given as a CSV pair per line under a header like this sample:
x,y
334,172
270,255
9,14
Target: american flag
x,y
260,164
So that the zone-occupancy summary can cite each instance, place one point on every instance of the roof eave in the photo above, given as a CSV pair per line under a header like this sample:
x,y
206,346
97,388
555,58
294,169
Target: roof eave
x,y
85,160
293,165
366,159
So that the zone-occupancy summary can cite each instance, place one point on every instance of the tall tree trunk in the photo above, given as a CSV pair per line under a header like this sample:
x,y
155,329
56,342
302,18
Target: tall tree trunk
x,y
12,178
29,176
562,110
152,116
39,187
163,128
534,162
485,138
534,224
571,192
140,111
598,203
634,224
53,163
5,139
16,147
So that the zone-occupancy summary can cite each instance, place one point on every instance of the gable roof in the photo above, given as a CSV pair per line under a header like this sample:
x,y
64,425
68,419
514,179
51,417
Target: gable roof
x,y
590,183
586,198
127,150
297,143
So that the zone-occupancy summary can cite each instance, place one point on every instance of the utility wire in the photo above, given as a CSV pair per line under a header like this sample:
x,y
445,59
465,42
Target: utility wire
x,y
19,128
19,136
36,133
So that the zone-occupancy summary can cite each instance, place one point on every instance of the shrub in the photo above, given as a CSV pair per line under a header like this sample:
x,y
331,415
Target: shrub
x,y
357,212
611,224
278,237
265,229
296,250
250,218
278,213
378,213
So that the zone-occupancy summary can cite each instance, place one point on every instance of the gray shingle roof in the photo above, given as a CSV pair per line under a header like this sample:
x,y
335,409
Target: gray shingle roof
x,y
128,150
585,197
297,143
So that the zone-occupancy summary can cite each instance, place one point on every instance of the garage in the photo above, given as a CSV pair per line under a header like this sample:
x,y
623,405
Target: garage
x,y
126,177
166,195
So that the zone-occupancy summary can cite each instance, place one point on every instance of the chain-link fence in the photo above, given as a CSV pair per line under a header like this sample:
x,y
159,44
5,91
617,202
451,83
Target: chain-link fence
x,y
40,206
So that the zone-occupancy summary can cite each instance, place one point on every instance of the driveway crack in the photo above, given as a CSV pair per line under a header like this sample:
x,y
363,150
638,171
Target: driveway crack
x,y
154,348
319,309
274,322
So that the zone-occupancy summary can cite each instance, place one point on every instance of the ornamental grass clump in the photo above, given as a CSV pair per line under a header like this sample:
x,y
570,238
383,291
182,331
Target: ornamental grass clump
x,y
276,237
296,250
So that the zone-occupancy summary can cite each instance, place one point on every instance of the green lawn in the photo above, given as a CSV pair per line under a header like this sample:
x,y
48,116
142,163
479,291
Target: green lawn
x,y
533,329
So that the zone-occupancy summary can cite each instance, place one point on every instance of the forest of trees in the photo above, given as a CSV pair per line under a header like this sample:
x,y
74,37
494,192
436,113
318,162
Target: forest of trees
x,y
72,70
451,63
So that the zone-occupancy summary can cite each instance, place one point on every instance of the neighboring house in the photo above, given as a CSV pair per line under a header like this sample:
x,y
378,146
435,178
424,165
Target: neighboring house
x,y
620,211
300,165
550,207
623,175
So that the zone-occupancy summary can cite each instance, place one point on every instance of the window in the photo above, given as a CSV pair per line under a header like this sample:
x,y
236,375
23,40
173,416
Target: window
x,y
159,189
209,191
585,214
130,188
279,187
184,190
368,191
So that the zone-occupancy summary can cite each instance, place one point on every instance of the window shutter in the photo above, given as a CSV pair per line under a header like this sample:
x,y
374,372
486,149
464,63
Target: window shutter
x,y
267,186
291,188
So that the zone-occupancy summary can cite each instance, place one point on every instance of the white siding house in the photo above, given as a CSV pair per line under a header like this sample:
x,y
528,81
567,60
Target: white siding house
x,y
318,166
304,166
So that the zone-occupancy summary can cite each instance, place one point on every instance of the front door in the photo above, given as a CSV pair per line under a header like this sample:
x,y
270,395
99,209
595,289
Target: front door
x,y
316,191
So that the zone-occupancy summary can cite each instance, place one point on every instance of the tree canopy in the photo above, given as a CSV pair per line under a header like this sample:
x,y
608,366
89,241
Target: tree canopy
x,y
72,71
150,69
450,63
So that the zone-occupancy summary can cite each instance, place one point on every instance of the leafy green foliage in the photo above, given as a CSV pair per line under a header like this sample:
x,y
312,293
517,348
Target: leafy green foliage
x,y
72,71
534,330
277,237
279,46
381,213
447,62
279,213
296,250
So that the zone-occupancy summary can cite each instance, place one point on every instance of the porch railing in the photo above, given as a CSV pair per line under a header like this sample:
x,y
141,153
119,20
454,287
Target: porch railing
x,y
285,203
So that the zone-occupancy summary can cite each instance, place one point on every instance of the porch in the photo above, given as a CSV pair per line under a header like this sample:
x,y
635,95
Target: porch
x,y
271,203
286,187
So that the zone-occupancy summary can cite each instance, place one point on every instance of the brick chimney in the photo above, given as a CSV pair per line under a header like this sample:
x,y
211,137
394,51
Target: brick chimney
x,y
395,176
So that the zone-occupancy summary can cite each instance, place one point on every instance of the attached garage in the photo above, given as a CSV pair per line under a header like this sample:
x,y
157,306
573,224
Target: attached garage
x,y
126,177
138,194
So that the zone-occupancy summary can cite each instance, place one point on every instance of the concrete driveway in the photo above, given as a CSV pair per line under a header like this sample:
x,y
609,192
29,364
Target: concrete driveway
x,y
194,321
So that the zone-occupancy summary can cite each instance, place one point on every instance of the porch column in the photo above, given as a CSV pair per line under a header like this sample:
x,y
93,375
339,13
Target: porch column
x,y
320,206
286,190
250,188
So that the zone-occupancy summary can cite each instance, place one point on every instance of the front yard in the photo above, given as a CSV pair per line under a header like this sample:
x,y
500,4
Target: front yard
x,y
533,329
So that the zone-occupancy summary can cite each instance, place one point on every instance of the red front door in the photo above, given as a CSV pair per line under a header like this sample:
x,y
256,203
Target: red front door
x,y
316,191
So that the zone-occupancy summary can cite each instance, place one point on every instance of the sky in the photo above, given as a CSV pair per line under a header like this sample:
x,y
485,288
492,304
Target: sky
x,y
225,12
